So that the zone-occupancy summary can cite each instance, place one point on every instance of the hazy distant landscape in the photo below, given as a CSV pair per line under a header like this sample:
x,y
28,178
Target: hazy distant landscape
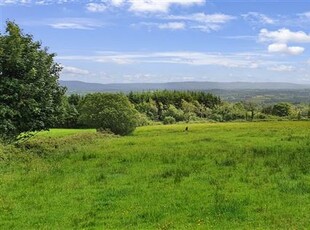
x,y
267,92
84,87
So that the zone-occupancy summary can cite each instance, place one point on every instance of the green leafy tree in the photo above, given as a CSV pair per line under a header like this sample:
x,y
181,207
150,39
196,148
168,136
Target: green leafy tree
x,y
189,110
69,115
251,107
172,111
281,109
30,94
112,112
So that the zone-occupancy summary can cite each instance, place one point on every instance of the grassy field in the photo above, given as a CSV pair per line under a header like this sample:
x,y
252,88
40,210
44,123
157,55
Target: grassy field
x,y
215,176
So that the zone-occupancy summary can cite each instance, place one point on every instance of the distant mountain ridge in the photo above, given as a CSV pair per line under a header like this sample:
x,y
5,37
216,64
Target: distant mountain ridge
x,y
84,87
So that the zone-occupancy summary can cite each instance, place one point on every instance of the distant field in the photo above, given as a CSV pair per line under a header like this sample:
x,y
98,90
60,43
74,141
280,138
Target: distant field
x,y
215,176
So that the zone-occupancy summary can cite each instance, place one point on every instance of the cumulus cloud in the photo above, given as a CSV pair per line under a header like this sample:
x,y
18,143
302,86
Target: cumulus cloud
x,y
284,36
285,49
255,17
281,38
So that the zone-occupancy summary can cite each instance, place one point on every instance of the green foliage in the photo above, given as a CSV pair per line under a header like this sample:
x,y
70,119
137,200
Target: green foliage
x,y
281,109
169,120
113,112
182,105
143,120
69,115
30,95
172,111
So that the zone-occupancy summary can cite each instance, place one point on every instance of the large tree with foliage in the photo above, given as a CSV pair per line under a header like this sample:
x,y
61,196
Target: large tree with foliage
x,y
281,109
30,94
112,112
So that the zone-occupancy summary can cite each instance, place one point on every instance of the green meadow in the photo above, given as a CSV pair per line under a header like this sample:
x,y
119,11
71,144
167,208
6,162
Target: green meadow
x,y
214,176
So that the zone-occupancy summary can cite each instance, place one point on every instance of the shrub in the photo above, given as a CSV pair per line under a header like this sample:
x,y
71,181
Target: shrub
x,y
169,120
108,111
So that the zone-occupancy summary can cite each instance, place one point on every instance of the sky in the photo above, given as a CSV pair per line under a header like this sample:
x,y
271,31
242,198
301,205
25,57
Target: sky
x,y
129,41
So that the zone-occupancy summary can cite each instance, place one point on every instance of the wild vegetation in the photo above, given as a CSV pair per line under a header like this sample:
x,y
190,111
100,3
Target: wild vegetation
x,y
214,176
170,107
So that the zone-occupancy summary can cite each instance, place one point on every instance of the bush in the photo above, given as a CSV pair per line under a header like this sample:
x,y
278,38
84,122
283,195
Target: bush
x,y
169,120
108,112
143,120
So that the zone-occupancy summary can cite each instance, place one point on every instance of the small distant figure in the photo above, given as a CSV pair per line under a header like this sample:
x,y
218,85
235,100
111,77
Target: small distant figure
x,y
186,129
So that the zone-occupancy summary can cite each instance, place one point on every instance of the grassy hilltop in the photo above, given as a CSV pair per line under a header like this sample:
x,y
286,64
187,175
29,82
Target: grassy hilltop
x,y
215,176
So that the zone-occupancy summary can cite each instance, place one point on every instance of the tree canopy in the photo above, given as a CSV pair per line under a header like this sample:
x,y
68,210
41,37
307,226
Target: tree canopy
x,y
111,112
30,94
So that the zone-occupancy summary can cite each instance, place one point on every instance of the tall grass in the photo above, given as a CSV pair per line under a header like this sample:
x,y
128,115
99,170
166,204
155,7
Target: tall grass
x,y
222,176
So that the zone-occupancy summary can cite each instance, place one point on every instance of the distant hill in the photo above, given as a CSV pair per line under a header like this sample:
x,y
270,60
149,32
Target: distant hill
x,y
84,87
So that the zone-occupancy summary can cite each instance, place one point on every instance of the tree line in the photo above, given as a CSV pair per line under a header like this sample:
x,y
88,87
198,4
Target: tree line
x,y
169,107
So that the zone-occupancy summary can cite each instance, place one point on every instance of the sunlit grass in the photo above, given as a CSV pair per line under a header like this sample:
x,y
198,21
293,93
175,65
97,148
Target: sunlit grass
x,y
222,176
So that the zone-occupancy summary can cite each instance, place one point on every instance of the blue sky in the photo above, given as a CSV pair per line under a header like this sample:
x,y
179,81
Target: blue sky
x,y
120,41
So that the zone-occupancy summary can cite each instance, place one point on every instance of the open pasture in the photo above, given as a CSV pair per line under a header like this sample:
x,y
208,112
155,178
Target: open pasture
x,y
214,176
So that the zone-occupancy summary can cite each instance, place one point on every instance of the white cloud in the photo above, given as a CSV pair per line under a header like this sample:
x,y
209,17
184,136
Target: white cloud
x,y
187,58
159,5
96,7
282,68
172,26
255,17
7,2
36,2
305,15
74,23
203,18
70,70
162,26
117,3
285,49
202,21
283,36
69,25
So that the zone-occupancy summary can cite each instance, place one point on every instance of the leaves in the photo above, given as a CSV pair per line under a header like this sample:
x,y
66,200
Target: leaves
x,y
30,94
108,111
